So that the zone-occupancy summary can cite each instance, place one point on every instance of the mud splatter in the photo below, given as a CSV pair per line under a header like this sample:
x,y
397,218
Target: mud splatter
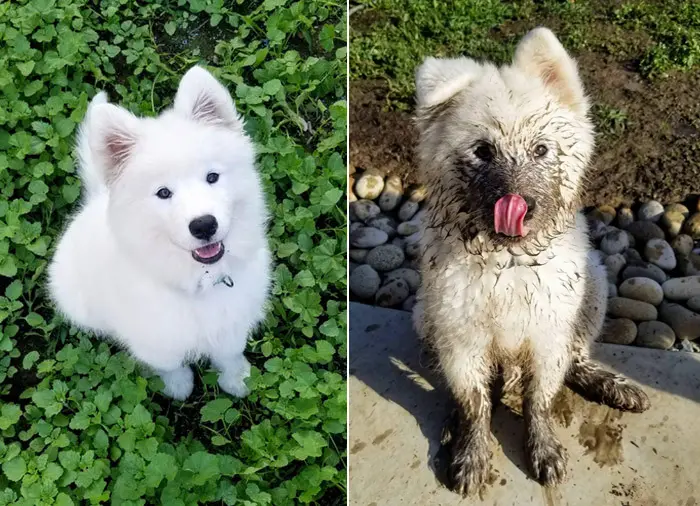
x,y
603,438
357,447
381,437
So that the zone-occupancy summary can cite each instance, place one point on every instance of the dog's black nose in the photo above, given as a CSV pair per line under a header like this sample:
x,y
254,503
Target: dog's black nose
x,y
531,205
204,227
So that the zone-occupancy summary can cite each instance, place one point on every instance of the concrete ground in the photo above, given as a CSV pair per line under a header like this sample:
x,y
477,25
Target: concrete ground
x,y
620,459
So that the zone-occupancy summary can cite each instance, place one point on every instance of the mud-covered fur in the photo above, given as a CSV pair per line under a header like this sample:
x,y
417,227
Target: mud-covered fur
x,y
533,303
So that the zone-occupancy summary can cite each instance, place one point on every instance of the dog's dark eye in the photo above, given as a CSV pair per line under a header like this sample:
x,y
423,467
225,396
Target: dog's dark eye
x,y
540,150
164,193
484,152
212,177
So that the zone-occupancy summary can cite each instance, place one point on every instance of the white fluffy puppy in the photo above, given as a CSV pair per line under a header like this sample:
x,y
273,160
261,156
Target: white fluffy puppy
x,y
168,253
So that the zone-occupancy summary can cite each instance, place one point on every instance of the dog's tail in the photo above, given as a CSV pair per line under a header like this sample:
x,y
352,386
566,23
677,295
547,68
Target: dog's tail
x,y
93,180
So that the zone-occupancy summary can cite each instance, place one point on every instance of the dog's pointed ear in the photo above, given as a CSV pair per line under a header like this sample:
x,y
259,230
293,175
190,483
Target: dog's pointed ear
x,y
112,134
541,55
439,79
201,97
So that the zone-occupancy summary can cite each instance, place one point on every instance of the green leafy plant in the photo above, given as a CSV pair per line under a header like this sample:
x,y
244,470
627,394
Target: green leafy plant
x,y
390,38
80,423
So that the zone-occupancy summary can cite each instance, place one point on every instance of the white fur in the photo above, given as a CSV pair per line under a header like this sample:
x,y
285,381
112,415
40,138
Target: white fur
x,y
124,266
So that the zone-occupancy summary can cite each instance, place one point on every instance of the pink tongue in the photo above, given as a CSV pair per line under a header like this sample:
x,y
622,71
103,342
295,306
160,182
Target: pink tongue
x,y
208,251
509,215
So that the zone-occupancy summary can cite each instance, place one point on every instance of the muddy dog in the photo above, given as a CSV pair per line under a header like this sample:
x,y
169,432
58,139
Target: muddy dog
x,y
510,280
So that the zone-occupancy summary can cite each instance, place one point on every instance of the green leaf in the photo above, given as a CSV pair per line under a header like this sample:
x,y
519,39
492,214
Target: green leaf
x,y
15,468
170,27
286,249
14,290
30,359
213,411
9,415
25,68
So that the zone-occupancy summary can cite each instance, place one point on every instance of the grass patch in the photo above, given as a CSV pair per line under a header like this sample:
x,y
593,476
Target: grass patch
x,y
389,38
79,423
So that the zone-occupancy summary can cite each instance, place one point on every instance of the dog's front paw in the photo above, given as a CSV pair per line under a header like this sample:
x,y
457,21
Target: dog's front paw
x,y
179,383
630,397
470,467
548,460
232,378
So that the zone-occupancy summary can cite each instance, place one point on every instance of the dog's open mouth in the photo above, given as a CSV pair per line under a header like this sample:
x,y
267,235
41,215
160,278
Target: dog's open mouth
x,y
209,254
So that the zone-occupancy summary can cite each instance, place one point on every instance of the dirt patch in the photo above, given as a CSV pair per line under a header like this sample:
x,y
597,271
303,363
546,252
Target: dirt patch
x,y
379,138
648,144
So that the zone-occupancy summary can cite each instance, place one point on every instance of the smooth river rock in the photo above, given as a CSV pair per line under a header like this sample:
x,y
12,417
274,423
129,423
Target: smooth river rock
x,y
655,335
636,310
682,288
684,322
644,289
364,281
660,253
369,186
386,257
619,331
368,237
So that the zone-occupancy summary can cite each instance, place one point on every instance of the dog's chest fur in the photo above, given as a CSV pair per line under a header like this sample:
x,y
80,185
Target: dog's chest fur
x,y
501,298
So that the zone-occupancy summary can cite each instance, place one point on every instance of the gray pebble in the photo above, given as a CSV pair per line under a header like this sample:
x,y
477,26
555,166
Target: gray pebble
x,y
352,266
596,229
645,271
645,230
686,266
694,303
644,289
369,185
635,310
682,244
368,237
409,303
358,255
660,253
386,257
409,275
684,322
606,214
619,331
408,228
650,211
682,288
356,225
677,208
672,221
413,249
392,193
625,217
407,210
655,335
417,194
613,266
399,241
384,223
692,226
363,210
364,281
612,290
614,242
393,293
633,257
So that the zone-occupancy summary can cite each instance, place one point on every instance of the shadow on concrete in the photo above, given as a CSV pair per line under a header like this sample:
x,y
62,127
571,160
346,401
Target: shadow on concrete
x,y
395,367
